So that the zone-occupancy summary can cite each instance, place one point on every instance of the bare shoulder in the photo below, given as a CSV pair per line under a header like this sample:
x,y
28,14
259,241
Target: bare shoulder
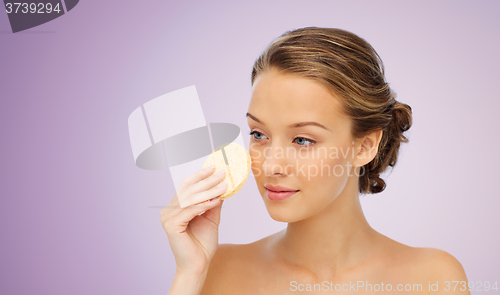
x,y
440,265
438,268
429,262
225,265
232,267
420,264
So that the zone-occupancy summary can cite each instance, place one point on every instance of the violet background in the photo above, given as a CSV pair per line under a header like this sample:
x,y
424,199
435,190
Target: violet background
x,y
78,217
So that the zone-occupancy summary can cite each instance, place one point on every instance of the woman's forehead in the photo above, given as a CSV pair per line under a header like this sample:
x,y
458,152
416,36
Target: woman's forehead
x,y
276,96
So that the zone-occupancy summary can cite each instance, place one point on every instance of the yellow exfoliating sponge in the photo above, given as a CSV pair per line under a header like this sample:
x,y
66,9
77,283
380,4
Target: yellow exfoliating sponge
x,y
238,169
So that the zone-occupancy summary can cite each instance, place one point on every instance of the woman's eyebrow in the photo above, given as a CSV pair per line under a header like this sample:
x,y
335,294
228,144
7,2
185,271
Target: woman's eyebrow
x,y
294,125
254,118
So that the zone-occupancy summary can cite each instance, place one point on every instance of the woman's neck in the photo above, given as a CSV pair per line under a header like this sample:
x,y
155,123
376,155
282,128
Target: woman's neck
x,y
332,241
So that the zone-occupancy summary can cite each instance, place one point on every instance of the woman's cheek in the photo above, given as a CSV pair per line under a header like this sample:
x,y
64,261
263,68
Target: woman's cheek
x,y
322,175
312,167
255,155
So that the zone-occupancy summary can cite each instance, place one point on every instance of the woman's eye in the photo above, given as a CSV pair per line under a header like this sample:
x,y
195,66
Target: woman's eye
x,y
300,140
256,133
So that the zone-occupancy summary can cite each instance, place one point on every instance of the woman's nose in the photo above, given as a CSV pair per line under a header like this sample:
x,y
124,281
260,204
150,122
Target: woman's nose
x,y
276,161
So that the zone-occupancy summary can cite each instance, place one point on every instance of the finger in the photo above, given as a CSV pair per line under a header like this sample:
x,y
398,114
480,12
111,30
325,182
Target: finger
x,y
212,193
208,182
185,189
215,191
175,200
171,209
181,220
214,213
198,175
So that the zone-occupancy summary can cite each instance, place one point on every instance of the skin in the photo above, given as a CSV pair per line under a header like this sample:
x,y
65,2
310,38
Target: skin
x,y
328,237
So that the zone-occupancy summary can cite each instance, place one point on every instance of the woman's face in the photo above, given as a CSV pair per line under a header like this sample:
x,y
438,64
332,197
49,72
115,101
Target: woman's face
x,y
315,161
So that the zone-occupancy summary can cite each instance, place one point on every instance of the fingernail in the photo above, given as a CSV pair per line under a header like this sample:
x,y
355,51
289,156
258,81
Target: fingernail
x,y
222,185
220,172
210,167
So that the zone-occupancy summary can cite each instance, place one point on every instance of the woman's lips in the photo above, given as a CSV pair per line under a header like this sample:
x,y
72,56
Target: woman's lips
x,y
278,196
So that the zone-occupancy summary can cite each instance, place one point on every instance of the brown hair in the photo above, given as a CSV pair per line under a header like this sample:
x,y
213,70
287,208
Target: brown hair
x,y
352,69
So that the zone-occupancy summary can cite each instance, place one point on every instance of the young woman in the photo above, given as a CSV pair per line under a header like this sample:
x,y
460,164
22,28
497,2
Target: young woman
x,y
324,125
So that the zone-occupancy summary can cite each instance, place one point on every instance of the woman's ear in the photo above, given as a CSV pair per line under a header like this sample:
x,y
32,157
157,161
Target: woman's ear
x,y
368,148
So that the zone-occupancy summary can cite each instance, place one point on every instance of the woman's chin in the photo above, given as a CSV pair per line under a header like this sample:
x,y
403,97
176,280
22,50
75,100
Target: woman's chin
x,y
282,214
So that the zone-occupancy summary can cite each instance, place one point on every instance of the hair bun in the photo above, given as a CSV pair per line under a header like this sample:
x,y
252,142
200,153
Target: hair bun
x,y
401,118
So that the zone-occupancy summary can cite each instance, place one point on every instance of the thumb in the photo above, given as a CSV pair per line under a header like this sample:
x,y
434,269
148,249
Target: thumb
x,y
214,213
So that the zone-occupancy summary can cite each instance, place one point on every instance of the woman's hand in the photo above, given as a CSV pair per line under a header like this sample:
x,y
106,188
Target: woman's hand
x,y
194,238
